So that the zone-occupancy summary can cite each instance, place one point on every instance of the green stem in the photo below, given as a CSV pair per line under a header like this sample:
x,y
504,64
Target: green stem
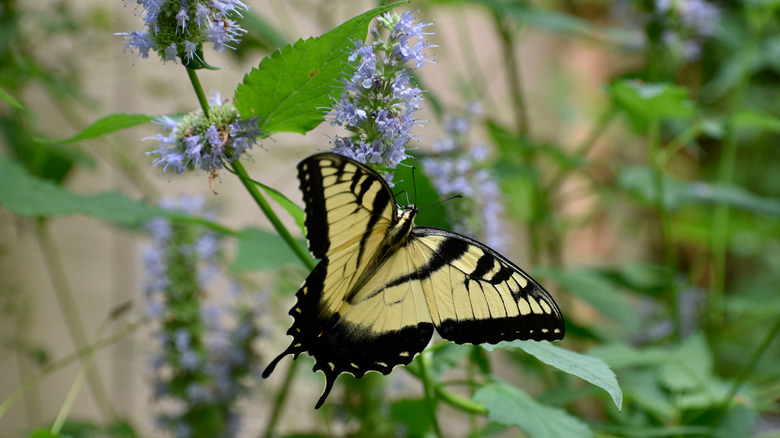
x,y
281,397
720,228
204,103
70,399
514,81
64,362
302,254
757,20
70,313
743,375
670,259
459,402
430,402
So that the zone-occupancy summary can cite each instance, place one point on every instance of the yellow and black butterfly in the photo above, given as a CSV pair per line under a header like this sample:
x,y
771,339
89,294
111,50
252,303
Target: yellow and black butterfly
x,y
383,285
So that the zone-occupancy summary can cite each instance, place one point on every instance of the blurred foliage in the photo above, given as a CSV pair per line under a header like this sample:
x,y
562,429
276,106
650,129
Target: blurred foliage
x,y
680,168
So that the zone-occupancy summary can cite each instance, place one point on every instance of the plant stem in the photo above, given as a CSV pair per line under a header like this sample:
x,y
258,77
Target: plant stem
x,y
79,354
743,375
70,399
302,254
757,20
281,397
670,259
70,312
430,402
204,103
514,82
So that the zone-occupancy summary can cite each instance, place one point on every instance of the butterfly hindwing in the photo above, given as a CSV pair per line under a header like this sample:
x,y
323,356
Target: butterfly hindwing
x,y
382,286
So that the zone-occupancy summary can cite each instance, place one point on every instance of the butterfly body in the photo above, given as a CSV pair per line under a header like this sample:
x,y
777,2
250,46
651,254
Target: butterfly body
x,y
383,286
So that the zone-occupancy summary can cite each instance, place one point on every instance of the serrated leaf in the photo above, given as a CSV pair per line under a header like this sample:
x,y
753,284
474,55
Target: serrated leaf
x,y
588,368
107,124
289,89
262,250
511,406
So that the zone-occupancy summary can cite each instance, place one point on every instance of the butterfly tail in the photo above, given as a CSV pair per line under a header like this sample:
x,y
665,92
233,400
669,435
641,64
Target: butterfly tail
x,y
330,379
271,366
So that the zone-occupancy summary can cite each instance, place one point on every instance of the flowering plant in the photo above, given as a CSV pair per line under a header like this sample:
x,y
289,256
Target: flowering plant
x,y
629,170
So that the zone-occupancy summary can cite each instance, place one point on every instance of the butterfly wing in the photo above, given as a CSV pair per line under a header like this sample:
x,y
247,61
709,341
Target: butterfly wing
x,y
475,295
345,316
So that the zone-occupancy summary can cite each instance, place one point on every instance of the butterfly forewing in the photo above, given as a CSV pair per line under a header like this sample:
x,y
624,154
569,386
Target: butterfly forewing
x,y
345,204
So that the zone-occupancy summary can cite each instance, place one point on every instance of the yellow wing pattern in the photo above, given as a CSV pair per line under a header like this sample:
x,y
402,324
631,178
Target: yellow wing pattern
x,y
382,286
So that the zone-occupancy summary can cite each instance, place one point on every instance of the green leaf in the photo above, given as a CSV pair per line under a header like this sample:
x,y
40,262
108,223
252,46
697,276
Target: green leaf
x,y
289,89
262,250
297,212
692,368
738,421
108,124
43,433
588,368
413,414
29,196
34,197
757,120
643,389
622,355
639,181
68,153
10,100
597,291
512,406
546,19
644,103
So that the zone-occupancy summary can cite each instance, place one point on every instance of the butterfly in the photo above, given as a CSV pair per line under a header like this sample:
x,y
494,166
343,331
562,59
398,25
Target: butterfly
x,y
383,286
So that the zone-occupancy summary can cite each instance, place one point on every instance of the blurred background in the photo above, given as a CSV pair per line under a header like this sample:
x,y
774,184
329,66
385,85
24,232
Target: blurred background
x,y
573,117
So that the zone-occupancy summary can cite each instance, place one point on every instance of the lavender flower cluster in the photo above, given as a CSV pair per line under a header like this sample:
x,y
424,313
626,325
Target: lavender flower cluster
x,y
178,28
204,350
688,24
197,142
457,169
378,101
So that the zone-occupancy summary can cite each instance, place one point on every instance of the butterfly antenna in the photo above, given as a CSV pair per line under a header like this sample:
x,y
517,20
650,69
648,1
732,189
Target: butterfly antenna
x,y
442,201
414,187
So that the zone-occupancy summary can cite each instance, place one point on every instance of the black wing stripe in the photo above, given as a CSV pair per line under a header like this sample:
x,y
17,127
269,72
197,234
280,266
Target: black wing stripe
x,y
381,202
310,179
448,251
